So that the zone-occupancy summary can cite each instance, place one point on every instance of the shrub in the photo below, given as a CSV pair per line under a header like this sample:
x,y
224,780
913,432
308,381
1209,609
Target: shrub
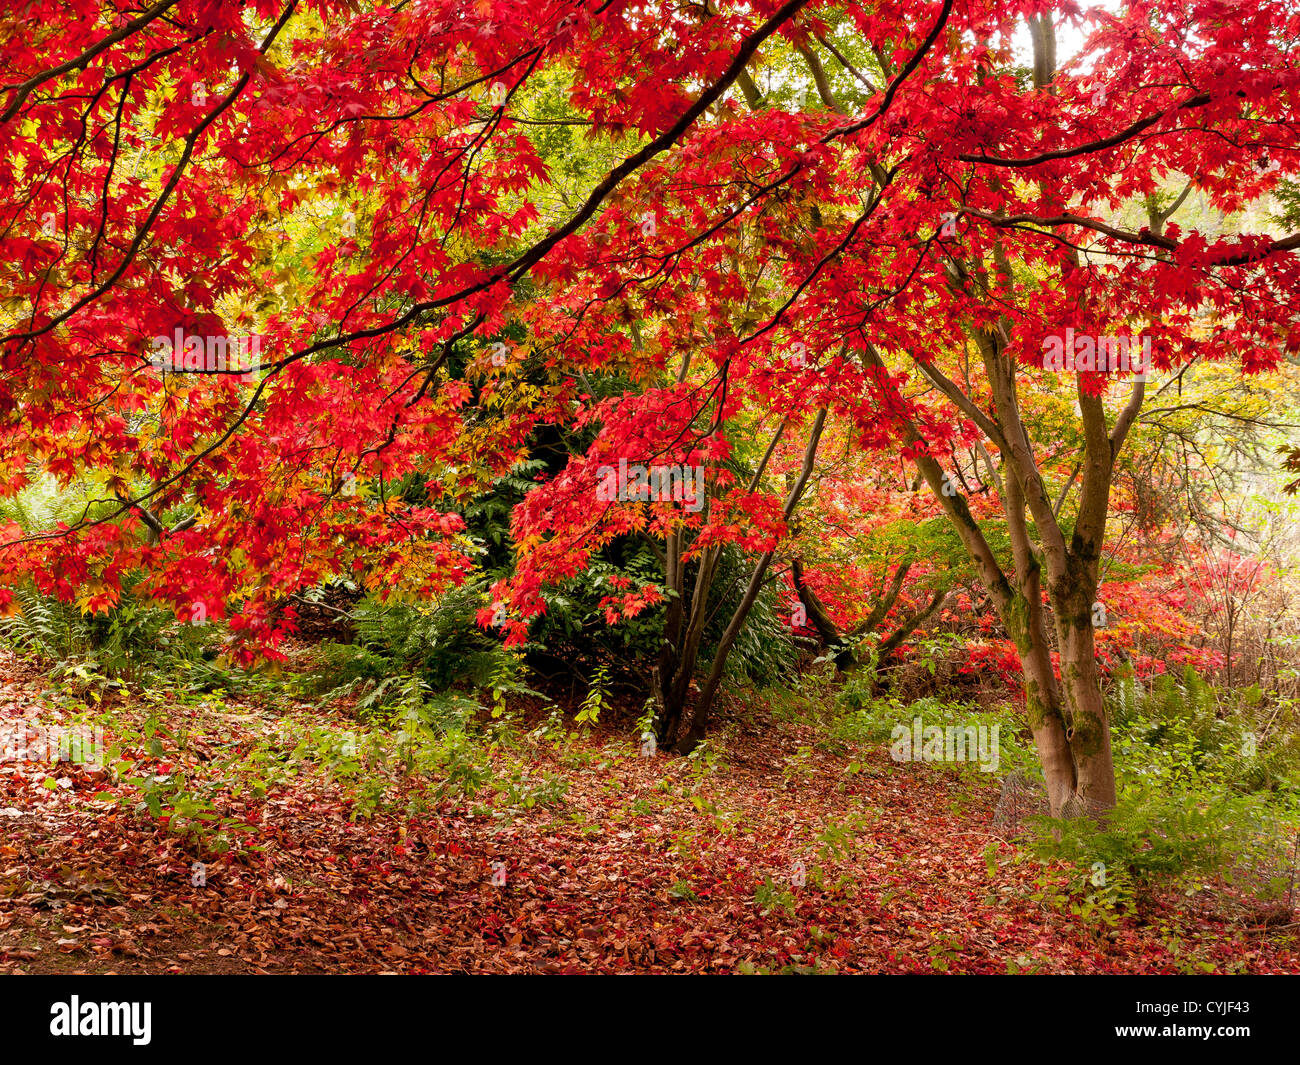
x,y
1155,839
1182,730
127,641
441,641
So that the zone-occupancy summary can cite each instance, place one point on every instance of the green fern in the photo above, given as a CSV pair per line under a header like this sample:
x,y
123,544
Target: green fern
x,y
43,628
122,642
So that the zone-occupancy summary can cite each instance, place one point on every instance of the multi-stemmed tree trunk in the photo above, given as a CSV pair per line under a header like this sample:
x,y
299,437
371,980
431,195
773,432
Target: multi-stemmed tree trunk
x,y
683,722
835,641
1066,712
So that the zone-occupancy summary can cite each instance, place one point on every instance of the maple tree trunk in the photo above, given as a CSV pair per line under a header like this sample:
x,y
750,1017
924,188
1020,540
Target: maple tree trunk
x,y
676,731
691,739
1067,717
1022,616
827,631
681,650
1073,592
1071,729
1090,731
833,640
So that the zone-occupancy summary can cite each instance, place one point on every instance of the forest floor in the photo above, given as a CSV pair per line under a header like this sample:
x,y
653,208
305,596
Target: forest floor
x,y
775,854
